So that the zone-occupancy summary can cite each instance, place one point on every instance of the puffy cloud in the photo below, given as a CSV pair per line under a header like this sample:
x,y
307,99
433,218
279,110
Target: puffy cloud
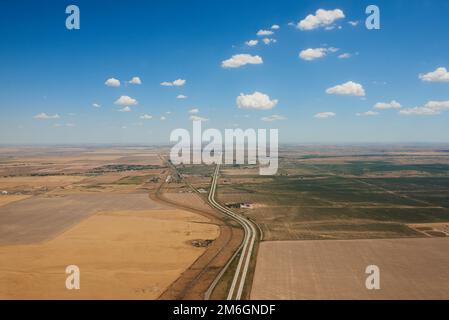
x,y
135,80
431,108
419,111
273,117
112,82
238,60
257,100
163,118
198,118
345,56
369,113
96,105
312,54
263,33
252,43
275,27
126,101
267,41
45,116
181,96
322,18
316,53
438,105
146,117
179,82
353,23
324,115
388,105
176,83
439,75
347,89
125,109
194,110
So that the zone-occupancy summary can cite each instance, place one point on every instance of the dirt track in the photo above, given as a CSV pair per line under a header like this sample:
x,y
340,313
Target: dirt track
x,y
193,283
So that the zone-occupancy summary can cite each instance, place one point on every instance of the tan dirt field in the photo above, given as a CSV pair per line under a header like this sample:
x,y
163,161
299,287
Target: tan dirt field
x,y
5,199
121,255
44,181
192,200
193,283
42,217
409,269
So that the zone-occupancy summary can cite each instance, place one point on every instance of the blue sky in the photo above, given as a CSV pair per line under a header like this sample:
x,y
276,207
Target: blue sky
x,y
47,69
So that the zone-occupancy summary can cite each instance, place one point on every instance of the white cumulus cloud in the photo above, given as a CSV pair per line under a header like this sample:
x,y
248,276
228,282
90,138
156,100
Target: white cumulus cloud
x,y
198,118
135,80
431,108
388,105
369,113
112,82
274,117
194,110
146,117
324,115
181,96
175,83
321,18
349,88
252,43
45,116
267,41
275,27
439,75
96,105
345,56
125,109
316,53
238,60
126,101
257,100
312,54
263,33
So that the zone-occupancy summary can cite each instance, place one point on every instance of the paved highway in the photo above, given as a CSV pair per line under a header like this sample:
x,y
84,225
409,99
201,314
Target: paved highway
x,y
246,248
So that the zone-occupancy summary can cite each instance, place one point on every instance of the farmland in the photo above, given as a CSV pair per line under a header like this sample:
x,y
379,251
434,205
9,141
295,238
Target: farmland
x,y
92,207
126,254
126,216
344,193
335,269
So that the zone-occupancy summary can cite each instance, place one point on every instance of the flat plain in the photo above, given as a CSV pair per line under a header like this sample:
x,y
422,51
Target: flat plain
x,y
125,254
335,269
91,207
344,192
137,230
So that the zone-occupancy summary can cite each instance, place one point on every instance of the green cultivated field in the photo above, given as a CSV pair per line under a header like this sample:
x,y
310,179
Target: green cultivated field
x,y
345,197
